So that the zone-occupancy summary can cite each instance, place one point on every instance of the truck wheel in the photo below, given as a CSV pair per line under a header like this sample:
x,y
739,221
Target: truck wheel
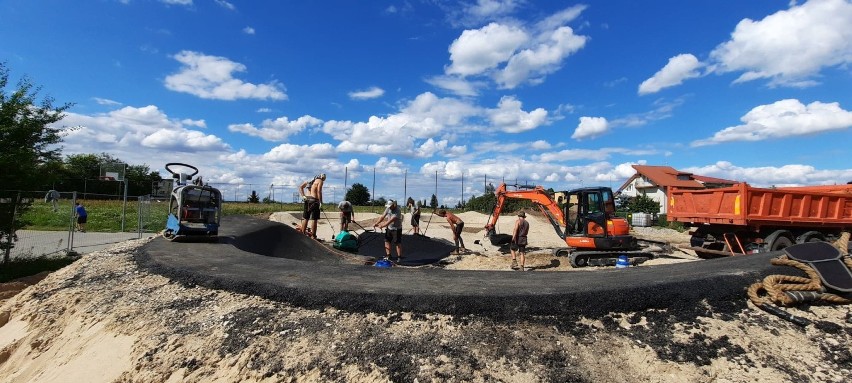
x,y
780,243
811,236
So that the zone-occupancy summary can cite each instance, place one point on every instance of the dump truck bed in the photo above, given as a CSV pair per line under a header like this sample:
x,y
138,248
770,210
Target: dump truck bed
x,y
744,205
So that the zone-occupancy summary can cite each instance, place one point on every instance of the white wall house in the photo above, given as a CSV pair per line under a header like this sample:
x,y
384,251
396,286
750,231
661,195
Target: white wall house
x,y
654,181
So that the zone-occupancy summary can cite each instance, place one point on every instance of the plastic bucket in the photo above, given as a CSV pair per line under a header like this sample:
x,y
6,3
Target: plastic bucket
x,y
622,262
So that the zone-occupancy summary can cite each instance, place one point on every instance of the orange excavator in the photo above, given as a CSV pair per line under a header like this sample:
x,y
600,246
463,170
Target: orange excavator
x,y
584,218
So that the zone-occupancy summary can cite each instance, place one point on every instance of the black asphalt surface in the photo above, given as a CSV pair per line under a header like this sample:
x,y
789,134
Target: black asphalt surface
x,y
271,260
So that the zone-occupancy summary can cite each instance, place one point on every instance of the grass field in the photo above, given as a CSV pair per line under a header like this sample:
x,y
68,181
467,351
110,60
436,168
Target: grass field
x,y
105,215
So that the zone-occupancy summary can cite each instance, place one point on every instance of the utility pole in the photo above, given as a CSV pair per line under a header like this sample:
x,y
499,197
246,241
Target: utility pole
x,y
436,187
462,199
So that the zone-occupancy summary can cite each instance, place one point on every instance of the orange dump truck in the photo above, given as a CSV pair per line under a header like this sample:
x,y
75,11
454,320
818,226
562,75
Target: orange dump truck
x,y
742,219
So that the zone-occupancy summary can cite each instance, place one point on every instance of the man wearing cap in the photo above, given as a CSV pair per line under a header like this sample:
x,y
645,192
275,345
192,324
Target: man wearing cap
x,y
393,228
313,202
519,240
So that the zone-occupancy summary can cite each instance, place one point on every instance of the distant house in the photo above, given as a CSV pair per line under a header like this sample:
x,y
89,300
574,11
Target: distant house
x,y
654,182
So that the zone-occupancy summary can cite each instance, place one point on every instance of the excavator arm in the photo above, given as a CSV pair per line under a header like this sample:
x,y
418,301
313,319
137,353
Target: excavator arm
x,y
537,195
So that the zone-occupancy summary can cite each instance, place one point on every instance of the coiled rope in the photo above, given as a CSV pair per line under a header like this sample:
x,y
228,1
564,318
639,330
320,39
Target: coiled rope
x,y
788,290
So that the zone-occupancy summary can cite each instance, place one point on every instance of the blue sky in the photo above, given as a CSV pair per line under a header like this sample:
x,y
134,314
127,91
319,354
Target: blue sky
x,y
560,94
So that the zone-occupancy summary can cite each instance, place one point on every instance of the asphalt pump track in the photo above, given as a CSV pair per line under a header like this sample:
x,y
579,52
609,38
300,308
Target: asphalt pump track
x,y
272,260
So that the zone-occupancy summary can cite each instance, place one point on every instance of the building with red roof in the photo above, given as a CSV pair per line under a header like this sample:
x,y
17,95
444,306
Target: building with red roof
x,y
654,182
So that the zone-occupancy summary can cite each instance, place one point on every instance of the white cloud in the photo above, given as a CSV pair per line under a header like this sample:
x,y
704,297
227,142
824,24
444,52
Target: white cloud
x,y
791,46
293,153
662,109
182,140
590,127
226,5
625,170
785,118
389,166
123,131
177,2
489,9
541,145
373,92
765,176
104,101
541,59
476,51
679,68
510,118
430,147
278,129
526,55
211,77
196,123
248,30
458,85
560,18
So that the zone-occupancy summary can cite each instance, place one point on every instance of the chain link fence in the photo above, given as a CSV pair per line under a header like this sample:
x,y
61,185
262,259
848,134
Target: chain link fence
x,y
37,224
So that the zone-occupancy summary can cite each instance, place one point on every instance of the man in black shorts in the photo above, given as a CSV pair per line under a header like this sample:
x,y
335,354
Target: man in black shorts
x,y
519,240
393,228
346,214
313,202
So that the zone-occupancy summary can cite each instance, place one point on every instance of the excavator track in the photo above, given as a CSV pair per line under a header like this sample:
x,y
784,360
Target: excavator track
x,y
583,258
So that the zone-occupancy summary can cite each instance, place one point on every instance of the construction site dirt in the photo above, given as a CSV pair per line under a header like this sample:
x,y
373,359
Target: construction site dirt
x,y
264,304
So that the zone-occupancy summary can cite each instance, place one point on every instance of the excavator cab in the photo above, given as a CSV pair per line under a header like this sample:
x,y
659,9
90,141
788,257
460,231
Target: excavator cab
x,y
591,212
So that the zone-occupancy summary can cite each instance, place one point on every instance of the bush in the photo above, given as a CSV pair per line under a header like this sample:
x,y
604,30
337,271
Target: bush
x,y
662,221
642,204
24,268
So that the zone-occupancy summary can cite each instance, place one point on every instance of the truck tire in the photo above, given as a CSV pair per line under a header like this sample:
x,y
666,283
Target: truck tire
x,y
778,240
779,243
811,236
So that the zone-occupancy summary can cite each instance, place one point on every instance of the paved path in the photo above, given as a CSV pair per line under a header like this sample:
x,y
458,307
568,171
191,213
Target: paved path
x,y
272,260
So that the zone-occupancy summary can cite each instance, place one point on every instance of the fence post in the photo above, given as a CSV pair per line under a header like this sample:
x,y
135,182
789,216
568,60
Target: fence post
x,y
72,226
139,216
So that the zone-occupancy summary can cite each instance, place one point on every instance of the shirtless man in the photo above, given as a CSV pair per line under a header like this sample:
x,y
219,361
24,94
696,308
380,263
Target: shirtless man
x,y
313,203
519,241
456,225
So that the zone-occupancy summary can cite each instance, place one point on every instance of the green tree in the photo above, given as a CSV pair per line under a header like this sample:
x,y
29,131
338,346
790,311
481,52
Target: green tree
x,y
433,203
643,204
483,203
253,198
140,178
86,166
28,136
358,195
